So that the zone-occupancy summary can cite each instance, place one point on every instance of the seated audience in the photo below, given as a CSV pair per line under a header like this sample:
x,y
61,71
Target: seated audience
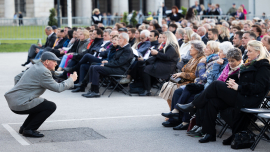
x,y
245,89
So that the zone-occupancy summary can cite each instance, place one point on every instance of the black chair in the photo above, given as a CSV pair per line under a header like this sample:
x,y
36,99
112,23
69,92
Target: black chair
x,y
262,115
116,79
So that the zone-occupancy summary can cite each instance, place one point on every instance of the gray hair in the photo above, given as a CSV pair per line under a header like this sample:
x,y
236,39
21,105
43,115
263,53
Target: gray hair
x,y
202,29
226,24
154,21
48,28
125,36
225,46
196,36
234,53
207,26
146,33
107,31
180,31
199,46
165,25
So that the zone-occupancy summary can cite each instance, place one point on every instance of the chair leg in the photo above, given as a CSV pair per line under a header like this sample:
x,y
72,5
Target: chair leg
x,y
107,87
226,127
259,137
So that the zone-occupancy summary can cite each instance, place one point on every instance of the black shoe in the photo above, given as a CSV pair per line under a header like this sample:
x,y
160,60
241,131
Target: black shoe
x,y
69,69
169,124
22,128
145,93
31,133
228,141
181,127
186,107
193,129
77,85
170,115
207,138
24,64
197,133
79,89
92,95
89,92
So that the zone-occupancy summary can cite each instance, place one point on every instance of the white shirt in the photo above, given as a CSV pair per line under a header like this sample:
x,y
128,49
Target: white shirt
x,y
185,47
50,35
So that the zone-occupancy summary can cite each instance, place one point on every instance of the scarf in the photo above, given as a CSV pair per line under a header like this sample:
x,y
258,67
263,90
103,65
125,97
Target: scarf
x,y
235,68
89,44
247,65
161,46
210,57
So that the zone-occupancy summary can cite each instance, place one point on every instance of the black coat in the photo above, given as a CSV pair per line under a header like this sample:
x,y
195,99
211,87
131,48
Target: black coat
x,y
121,58
222,40
97,18
50,41
175,18
164,64
180,42
60,44
132,41
205,40
253,84
74,46
242,49
155,44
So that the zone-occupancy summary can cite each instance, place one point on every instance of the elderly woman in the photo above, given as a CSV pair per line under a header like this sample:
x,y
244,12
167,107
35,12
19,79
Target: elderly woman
x,y
220,63
189,72
243,90
186,95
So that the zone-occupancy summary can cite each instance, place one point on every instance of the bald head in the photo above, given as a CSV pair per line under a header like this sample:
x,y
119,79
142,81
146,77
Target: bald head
x,y
201,31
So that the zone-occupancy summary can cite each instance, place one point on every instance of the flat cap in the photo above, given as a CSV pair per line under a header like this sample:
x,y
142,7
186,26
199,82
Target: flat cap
x,y
49,56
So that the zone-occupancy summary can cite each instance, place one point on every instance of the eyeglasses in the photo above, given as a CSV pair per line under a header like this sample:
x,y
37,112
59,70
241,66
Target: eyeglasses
x,y
142,37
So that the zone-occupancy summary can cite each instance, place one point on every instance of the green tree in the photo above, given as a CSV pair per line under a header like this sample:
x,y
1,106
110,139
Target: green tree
x,y
52,19
184,10
133,20
124,19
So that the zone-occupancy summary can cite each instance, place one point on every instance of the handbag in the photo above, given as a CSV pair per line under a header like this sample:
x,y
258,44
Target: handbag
x,y
177,80
242,140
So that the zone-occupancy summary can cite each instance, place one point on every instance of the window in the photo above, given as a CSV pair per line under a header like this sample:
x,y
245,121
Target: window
x,y
20,6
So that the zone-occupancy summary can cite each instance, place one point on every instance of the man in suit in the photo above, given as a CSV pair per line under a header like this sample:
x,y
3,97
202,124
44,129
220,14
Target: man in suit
x,y
197,7
237,41
202,31
179,34
118,65
34,49
24,97
213,34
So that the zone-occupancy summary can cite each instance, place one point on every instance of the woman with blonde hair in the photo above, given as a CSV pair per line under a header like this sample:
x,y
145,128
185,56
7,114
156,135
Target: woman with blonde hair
x,y
185,47
245,89
97,17
162,63
224,34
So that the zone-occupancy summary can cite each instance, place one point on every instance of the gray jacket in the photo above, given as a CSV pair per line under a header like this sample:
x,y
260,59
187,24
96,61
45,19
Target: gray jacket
x,y
30,85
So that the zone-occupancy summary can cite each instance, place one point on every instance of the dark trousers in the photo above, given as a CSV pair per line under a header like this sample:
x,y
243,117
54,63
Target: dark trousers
x,y
217,96
83,72
37,115
88,58
182,96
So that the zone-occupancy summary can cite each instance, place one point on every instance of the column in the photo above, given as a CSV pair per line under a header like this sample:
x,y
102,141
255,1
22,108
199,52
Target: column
x,y
9,8
153,5
120,6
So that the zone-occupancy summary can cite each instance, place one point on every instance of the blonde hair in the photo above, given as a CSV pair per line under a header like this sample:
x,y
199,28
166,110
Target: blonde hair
x,y
86,33
258,46
224,32
213,46
171,40
241,9
189,32
96,10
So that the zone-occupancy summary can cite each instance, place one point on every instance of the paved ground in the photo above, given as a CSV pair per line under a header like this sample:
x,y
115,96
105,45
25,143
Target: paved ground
x,y
119,123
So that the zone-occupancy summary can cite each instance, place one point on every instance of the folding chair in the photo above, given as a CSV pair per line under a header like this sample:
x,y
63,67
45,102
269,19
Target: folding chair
x,y
260,114
117,78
